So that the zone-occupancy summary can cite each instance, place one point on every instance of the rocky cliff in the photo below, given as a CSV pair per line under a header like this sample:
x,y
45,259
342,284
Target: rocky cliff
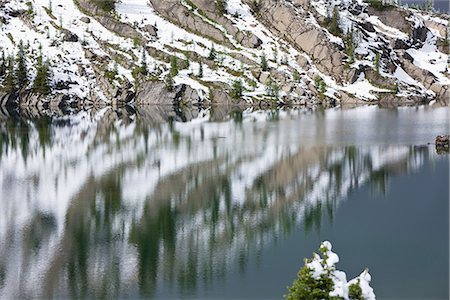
x,y
239,52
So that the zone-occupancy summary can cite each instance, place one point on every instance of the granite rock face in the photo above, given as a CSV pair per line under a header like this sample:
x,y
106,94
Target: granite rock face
x,y
281,52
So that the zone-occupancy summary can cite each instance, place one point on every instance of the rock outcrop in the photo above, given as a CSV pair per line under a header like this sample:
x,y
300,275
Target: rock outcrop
x,y
151,93
275,52
442,143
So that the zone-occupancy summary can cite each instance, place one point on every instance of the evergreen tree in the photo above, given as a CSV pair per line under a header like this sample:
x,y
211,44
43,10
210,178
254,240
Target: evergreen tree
x,y
212,54
21,71
319,278
111,74
272,89
349,44
168,80
45,88
144,67
264,63
321,86
3,65
334,23
200,70
10,80
237,89
173,66
221,6
355,291
275,55
41,82
296,75
187,59
377,63
106,5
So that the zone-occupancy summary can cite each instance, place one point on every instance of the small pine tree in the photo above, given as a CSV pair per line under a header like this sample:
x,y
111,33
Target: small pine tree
x,y
10,80
355,291
106,5
30,8
221,7
272,89
3,65
200,70
41,82
264,63
376,63
212,53
187,57
116,67
168,80
320,85
237,89
21,71
311,286
296,75
349,44
144,67
112,74
334,23
173,66
306,287
135,74
136,42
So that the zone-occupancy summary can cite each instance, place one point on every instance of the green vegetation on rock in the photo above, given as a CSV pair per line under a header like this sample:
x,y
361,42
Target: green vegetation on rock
x,y
237,89
106,5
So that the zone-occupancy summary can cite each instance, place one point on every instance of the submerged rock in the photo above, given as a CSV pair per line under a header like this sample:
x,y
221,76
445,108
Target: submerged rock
x,y
442,145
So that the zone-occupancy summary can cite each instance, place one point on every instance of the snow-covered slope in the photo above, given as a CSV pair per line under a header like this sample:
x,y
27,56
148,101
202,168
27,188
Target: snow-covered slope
x,y
193,53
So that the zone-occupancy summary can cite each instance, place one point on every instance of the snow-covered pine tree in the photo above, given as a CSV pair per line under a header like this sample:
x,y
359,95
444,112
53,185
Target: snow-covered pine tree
x,y
319,279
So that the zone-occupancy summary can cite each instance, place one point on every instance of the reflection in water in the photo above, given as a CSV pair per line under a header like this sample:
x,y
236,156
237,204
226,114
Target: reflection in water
x,y
116,203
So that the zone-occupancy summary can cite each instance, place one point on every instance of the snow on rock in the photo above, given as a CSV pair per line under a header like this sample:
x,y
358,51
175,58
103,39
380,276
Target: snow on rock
x,y
78,67
432,60
364,89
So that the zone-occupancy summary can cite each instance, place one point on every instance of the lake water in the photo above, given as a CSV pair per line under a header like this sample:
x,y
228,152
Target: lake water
x,y
442,6
220,203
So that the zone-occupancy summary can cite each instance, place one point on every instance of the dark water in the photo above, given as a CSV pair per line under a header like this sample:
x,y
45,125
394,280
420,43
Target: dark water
x,y
219,203
442,6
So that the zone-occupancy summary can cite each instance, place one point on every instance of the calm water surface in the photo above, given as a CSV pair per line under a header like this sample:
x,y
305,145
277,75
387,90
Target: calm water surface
x,y
442,6
158,203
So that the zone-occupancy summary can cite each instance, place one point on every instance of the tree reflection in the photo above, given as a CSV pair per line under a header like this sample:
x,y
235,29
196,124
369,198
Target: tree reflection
x,y
203,204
